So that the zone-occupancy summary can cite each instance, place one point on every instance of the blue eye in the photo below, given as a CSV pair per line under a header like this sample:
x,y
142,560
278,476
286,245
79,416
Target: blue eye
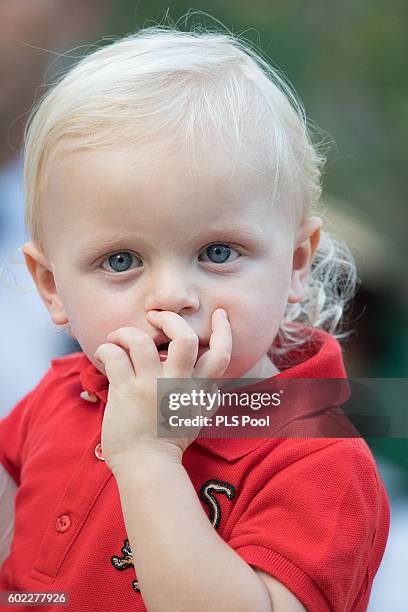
x,y
218,253
120,262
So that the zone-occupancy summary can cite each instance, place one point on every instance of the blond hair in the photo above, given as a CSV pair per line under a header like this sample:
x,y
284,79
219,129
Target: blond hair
x,y
161,80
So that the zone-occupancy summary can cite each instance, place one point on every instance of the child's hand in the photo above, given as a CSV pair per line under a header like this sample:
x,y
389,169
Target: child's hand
x,y
132,365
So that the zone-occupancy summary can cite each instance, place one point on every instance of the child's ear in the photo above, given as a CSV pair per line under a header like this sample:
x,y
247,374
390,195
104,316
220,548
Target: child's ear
x,y
43,278
305,248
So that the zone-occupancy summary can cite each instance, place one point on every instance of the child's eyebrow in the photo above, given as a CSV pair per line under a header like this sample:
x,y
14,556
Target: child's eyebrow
x,y
248,234
232,229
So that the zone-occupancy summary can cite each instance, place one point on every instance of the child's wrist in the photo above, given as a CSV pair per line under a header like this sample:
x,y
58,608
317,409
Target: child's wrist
x,y
143,458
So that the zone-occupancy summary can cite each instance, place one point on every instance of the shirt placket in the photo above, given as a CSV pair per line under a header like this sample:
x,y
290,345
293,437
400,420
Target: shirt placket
x,y
72,511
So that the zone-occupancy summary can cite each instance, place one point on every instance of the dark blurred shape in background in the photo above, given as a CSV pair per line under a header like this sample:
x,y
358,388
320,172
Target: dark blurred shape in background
x,y
33,33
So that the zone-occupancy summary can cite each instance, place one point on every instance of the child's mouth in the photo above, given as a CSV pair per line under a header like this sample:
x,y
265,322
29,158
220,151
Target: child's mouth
x,y
163,351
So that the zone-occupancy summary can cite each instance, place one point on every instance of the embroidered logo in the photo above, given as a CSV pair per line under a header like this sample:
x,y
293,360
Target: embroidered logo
x,y
207,495
122,563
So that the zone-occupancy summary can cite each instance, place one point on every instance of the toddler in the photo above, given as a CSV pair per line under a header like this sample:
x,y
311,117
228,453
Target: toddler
x,y
171,197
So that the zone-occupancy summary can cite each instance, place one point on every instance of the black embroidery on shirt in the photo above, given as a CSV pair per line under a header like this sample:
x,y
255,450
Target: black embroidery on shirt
x,y
207,495
122,563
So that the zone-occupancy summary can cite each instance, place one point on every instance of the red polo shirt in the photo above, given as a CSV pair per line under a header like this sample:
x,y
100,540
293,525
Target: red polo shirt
x,y
313,513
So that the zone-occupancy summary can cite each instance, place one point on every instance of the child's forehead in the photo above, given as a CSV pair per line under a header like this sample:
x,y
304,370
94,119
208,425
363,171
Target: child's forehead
x,y
158,171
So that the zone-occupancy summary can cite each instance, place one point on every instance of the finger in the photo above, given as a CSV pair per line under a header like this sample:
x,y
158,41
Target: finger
x,y
183,348
142,349
214,402
214,362
117,364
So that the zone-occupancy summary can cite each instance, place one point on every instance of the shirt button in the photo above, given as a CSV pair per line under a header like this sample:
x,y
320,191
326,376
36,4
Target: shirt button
x,y
63,523
89,397
98,452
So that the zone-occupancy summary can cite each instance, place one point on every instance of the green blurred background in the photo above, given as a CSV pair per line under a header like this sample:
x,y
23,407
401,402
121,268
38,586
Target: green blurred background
x,y
347,61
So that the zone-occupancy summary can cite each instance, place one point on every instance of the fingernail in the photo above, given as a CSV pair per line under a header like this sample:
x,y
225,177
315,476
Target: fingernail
x,y
223,313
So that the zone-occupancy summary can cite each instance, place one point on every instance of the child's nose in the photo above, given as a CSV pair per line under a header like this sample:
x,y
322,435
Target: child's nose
x,y
172,291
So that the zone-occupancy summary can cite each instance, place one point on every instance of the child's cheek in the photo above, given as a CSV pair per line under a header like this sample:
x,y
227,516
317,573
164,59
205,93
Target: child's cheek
x,y
243,316
246,311
255,314
86,322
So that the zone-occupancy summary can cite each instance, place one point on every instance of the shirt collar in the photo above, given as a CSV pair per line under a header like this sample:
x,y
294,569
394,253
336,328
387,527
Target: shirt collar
x,y
319,357
91,379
